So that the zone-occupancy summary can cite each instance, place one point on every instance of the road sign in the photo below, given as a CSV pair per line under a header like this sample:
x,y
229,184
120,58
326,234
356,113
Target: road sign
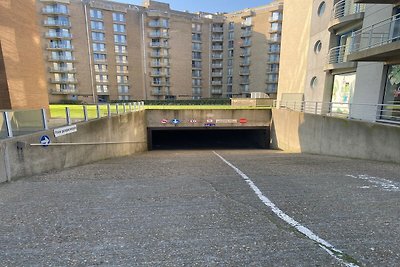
x,y
45,140
193,121
164,121
243,120
226,121
209,124
65,130
210,120
175,121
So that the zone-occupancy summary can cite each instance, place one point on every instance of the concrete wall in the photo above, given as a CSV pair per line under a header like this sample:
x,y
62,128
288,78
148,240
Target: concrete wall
x,y
308,133
129,128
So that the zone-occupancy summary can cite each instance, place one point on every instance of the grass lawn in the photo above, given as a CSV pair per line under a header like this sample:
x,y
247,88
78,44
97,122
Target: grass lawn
x,y
76,111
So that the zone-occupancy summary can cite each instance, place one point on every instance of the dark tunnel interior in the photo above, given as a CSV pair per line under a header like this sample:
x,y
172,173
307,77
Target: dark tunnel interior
x,y
208,138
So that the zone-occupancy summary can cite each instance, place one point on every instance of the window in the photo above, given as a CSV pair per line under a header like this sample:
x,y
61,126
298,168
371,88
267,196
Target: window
x,y
276,16
230,53
230,62
119,28
391,94
118,17
122,69
317,47
196,73
101,78
230,71
121,59
102,88
99,57
231,26
196,27
99,47
275,26
96,14
231,35
56,8
122,79
231,44
321,8
196,82
314,82
100,67
120,49
196,37
123,89
123,97
97,25
196,46
98,36
196,55
119,38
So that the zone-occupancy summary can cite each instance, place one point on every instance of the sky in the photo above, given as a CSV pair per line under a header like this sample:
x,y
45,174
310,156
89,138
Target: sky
x,y
212,6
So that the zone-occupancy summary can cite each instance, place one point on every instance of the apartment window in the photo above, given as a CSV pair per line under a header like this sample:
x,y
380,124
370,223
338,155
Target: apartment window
x,y
196,27
121,59
196,46
317,47
122,79
321,8
123,97
102,88
275,26
230,53
196,73
99,57
275,37
196,55
119,28
247,21
273,67
276,15
119,38
64,55
122,69
66,44
272,88
101,78
65,87
245,88
96,14
230,80
160,22
196,82
100,67
118,17
56,8
272,77
231,35
120,49
196,90
97,25
230,71
231,44
230,62
196,64
196,37
98,36
99,47
123,89
231,26
274,48
273,58
59,33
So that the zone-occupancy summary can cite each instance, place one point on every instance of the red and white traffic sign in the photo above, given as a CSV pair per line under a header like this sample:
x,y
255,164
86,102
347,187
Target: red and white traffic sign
x,y
210,120
164,121
243,120
193,121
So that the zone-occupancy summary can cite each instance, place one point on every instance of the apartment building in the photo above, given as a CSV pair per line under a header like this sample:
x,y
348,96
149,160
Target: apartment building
x,y
22,76
104,50
334,59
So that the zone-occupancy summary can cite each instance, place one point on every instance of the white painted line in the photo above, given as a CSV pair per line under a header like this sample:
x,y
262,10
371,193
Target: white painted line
x,y
336,253
385,184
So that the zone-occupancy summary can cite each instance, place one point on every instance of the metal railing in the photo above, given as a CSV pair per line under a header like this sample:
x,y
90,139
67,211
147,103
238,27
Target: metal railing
x,y
338,54
369,112
346,7
16,123
378,34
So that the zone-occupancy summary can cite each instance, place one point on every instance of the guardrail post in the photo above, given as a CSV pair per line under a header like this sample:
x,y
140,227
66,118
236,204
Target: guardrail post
x,y
130,106
142,105
8,124
68,115
350,111
98,111
134,106
85,113
316,108
108,110
44,119
124,105
330,109
117,108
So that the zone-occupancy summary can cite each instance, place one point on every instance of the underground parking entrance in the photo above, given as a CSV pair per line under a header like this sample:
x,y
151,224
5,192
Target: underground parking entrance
x,y
208,138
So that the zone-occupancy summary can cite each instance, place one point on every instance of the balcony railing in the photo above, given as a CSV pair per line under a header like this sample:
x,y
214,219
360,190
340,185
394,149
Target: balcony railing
x,y
217,29
384,32
346,7
216,66
245,63
55,46
217,38
217,47
338,54
57,23
217,56
216,82
246,34
216,74
64,80
50,10
159,45
245,44
216,91
158,54
61,58
158,35
62,69
158,25
58,35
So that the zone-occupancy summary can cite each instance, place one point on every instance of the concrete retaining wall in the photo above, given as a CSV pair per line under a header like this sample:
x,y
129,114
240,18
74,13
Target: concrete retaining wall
x,y
18,158
308,133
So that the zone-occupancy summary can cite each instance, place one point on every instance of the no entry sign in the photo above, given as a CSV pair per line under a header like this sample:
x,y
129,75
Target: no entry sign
x,y
243,120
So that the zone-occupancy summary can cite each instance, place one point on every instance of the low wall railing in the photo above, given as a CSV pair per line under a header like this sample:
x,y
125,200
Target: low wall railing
x,y
16,123
389,113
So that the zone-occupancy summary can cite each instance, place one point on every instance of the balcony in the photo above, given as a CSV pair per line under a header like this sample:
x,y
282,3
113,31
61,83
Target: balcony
x,y
244,63
216,83
103,92
196,48
246,34
158,45
54,11
72,91
159,64
158,74
245,81
245,54
272,80
246,24
378,42
55,46
272,70
158,25
157,14
159,83
244,72
164,35
217,56
275,29
196,66
217,66
246,44
337,58
58,35
218,29
274,51
158,92
217,47
216,74
215,91
276,18
62,70
274,40
159,55
63,81
346,14
217,38
61,58
57,23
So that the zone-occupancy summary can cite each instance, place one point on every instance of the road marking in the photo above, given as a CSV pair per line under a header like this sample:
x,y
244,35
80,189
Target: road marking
x,y
385,184
325,245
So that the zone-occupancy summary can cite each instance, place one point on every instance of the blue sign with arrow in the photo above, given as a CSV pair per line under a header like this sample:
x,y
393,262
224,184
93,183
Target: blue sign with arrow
x,y
45,140
175,121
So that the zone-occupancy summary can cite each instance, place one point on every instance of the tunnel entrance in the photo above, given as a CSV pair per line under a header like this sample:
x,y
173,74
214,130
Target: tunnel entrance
x,y
208,138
